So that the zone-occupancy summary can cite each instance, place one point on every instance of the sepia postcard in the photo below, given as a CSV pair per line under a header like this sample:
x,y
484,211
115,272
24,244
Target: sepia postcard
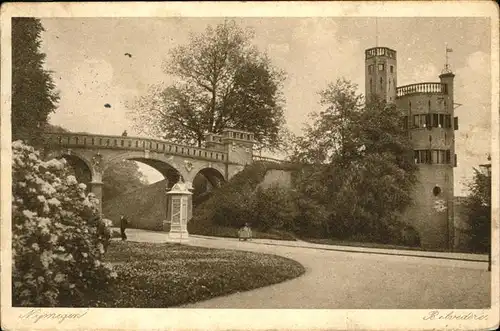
x,y
328,165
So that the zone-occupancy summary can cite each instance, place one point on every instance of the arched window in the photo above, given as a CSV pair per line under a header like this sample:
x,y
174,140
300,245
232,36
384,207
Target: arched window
x,y
436,190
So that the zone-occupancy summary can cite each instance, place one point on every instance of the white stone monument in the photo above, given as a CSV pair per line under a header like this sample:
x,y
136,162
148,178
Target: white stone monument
x,y
179,210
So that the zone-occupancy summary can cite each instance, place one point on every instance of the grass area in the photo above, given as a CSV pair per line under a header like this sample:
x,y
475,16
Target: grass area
x,y
168,275
229,232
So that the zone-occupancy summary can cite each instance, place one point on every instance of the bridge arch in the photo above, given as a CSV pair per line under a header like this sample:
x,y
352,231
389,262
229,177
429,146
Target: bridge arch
x,y
169,170
79,163
204,182
214,176
168,166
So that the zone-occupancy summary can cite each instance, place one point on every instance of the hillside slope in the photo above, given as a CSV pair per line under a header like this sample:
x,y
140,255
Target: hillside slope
x,y
145,208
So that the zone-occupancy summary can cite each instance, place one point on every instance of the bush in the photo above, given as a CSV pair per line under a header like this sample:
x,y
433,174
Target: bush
x,y
312,218
58,239
274,208
234,203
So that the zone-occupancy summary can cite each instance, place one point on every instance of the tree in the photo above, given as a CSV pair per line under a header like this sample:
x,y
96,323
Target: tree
x,y
333,132
122,177
478,209
358,163
222,82
33,90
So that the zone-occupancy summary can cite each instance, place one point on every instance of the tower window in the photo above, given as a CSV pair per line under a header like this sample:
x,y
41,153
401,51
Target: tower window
x,y
416,121
422,156
409,105
421,121
441,120
370,68
429,103
439,156
435,120
405,122
447,121
380,67
371,84
381,82
436,190
392,69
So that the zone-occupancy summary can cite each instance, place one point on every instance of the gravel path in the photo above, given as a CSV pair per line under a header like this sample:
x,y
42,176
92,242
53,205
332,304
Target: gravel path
x,y
355,278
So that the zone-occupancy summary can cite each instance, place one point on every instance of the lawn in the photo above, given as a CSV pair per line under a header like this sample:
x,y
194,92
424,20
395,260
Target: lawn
x,y
169,275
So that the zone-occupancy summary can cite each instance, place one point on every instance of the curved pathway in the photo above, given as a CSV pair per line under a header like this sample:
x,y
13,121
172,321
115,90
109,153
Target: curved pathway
x,y
354,278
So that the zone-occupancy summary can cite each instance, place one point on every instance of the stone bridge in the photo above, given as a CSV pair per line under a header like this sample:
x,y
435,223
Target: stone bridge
x,y
90,155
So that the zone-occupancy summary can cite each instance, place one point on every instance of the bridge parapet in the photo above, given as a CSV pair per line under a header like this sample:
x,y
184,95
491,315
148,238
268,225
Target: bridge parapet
x,y
79,140
268,159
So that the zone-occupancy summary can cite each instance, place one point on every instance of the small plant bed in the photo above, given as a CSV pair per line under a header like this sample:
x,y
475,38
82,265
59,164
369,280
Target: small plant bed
x,y
169,275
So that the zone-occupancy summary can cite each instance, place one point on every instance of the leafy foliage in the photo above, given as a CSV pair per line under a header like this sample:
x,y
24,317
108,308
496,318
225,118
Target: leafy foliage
x,y
274,208
334,132
361,164
122,177
478,207
33,90
234,203
58,239
222,82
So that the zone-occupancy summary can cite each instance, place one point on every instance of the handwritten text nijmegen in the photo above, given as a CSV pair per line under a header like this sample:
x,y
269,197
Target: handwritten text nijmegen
x,y
39,314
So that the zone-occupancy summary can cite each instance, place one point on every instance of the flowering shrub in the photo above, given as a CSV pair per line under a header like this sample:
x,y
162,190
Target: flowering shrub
x,y
58,238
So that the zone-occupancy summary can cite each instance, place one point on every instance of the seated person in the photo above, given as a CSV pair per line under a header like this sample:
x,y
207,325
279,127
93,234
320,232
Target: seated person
x,y
245,232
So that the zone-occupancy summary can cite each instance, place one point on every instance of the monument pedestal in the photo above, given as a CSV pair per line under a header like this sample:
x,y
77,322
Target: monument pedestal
x,y
178,211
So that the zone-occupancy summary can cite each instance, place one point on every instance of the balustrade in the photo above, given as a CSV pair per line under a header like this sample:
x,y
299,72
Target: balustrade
x,y
380,51
421,88
129,143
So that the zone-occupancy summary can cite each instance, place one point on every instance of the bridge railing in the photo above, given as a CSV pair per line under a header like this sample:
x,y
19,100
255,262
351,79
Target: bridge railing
x,y
268,159
75,140
421,88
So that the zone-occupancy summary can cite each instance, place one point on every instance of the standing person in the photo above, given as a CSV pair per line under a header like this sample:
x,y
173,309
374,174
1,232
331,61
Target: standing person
x,y
123,226
124,134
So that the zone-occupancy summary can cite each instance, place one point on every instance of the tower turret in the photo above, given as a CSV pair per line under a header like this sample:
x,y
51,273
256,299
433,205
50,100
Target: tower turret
x,y
380,74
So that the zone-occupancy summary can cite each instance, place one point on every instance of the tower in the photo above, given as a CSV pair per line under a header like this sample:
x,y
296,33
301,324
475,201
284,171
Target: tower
x,y
380,74
428,115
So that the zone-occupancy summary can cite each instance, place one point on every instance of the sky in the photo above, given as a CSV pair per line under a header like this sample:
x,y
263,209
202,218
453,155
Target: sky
x,y
90,69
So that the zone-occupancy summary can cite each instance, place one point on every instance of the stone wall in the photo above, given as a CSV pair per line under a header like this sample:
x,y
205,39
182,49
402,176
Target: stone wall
x,y
281,178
